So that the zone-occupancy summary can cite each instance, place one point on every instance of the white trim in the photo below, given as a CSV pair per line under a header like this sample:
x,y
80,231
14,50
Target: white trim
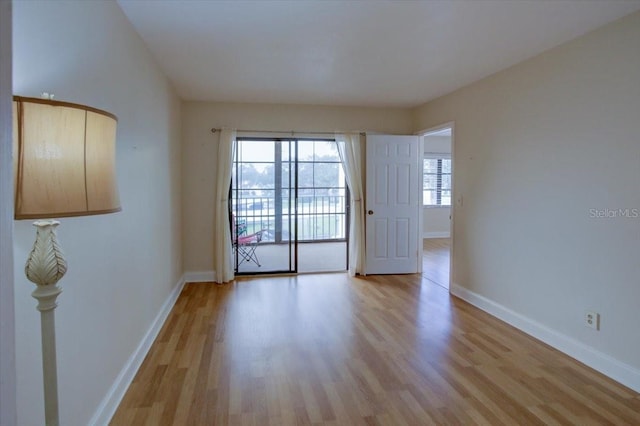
x,y
452,225
436,129
112,399
437,155
436,235
435,206
421,203
605,364
199,276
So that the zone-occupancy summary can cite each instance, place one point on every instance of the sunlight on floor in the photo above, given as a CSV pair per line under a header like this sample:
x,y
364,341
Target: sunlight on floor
x,y
435,260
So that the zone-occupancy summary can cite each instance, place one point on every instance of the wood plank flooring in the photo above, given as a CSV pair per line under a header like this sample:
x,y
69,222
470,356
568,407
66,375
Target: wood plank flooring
x,y
435,260
334,350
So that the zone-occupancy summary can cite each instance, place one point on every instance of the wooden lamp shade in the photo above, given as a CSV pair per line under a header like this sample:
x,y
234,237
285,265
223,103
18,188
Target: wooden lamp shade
x,y
64,159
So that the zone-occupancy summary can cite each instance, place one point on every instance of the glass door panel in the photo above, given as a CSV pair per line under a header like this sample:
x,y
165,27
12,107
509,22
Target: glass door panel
x,y
262,197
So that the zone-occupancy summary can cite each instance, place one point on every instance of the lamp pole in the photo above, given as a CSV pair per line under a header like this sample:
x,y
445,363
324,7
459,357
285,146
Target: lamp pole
x,y
45,266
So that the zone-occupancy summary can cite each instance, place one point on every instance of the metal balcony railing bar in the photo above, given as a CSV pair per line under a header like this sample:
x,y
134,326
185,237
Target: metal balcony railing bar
x,y
320,218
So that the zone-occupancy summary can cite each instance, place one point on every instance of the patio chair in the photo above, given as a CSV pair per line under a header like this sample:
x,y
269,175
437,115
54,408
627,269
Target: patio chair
x,y
245,245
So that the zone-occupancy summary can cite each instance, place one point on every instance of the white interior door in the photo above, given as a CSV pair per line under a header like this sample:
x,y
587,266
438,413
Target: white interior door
x,y
392,204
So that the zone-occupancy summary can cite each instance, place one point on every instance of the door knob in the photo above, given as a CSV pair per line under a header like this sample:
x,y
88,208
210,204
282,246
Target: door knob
x,y
370,212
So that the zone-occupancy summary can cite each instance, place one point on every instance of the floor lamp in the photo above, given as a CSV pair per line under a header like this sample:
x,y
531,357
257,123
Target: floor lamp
x,y
64,165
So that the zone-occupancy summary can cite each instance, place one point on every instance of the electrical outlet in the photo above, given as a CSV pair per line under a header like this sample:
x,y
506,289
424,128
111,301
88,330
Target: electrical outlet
x,y
592,320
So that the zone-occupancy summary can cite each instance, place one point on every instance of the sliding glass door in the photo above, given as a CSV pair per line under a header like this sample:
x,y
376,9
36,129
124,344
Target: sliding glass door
x,y
288,194
263,200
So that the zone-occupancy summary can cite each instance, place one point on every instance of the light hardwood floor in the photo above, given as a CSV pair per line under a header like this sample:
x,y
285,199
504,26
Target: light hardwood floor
x,y
334,350
435,260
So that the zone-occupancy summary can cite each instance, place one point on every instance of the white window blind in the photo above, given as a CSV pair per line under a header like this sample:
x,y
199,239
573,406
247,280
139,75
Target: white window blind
x,y
436,180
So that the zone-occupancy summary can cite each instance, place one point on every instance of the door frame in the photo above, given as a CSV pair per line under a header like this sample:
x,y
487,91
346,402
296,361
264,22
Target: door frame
x,y
454,197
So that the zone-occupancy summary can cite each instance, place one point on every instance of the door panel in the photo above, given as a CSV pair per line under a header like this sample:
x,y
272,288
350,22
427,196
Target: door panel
x,y
393,196
381,237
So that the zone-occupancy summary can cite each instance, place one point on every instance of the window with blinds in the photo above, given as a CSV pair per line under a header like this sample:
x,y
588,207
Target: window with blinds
x,y
436,180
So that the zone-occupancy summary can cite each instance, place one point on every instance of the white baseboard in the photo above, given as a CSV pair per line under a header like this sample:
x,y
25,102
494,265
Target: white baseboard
x,y
445,234
605,364
110,402
199,276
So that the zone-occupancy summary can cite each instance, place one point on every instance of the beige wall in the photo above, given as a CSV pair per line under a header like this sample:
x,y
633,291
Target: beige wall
x,y
123,266
436,222
7,316
200,147
537,147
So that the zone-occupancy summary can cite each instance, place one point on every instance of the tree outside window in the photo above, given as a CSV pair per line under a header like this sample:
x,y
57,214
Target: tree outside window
x,y
264,189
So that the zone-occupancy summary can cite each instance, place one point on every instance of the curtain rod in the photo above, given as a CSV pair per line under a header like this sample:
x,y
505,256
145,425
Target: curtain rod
x,y
214,130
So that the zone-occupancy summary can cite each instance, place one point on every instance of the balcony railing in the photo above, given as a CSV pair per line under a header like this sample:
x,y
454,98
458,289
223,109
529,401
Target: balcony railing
x,y
320,218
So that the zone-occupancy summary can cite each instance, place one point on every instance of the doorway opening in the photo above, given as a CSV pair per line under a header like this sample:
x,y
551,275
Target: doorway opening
x,y
437,200
289,202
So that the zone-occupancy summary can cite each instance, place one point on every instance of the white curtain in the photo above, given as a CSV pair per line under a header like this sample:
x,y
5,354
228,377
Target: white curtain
x,y
350,151
222,246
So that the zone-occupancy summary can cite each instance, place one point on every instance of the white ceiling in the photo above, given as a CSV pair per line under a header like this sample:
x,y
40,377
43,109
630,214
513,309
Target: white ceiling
x,y
365,53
